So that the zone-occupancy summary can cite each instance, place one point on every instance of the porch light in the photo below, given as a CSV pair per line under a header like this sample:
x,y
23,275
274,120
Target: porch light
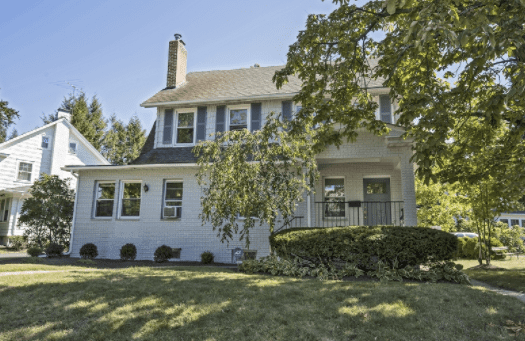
x,y
146,188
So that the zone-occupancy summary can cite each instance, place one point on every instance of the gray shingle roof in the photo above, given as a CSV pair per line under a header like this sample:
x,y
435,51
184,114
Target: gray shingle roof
x,y
233,84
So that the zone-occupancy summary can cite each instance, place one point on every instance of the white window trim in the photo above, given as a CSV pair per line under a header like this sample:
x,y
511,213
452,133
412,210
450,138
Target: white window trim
x,y
121,197
378,112
94,215
18,161
248,115
176,126
69,147
166,181
48,142
324,197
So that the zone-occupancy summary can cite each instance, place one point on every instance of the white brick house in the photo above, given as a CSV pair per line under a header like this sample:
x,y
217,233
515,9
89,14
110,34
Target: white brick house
x,y
43,150
156,199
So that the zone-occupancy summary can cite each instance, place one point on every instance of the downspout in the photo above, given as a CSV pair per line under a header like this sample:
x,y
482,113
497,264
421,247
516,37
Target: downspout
x,y
74,216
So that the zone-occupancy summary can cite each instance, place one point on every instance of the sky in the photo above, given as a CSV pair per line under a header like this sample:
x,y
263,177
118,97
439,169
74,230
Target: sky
x,y
118,50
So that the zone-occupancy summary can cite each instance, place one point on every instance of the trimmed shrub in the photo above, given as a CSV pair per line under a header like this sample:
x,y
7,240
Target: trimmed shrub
x,y
17,242
462,241
88,251
128,252
366,245
163,253
207,257
34,251
471,248
54,250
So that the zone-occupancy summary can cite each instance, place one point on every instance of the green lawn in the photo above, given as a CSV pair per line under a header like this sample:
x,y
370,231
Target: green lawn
x,y
196,303
511,278
4,250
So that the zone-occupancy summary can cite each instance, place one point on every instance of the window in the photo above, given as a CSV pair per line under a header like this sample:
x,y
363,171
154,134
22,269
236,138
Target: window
x,y
385,108
130,195
238,118
514,222
45,142
72,147
376,188
104,197
185,127
172,199
506,221
24,171
4,209
522,222
334,197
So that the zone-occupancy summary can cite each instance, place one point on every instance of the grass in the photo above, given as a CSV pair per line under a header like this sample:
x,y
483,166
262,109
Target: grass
x,y
6,250
512,277
198,303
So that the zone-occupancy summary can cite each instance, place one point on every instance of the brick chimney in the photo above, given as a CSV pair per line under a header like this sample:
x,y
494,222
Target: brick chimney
x,y
177,59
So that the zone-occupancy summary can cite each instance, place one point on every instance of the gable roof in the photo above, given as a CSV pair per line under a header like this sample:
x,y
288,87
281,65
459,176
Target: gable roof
x,y
237,84
74,130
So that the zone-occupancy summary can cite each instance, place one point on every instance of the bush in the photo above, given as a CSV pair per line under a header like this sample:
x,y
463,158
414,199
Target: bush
x,y
34,251
163,253
54,250
471,248
128,252
207,257
366,245
88,251
462,241
17,242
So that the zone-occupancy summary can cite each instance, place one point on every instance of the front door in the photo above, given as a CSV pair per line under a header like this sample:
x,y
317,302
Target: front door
x,y
376,206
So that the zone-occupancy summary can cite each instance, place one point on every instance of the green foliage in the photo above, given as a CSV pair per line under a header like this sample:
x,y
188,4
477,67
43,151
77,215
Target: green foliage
x,y
54,250
34,251
462,241
366,245
18,242
7,117
128,252
250,174
207,257
123,143
87,261
471,248
163,254
47,214
88,251
510,237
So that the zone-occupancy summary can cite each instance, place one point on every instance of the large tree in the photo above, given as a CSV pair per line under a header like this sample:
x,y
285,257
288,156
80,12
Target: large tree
x,y
48,213
123,142
7,117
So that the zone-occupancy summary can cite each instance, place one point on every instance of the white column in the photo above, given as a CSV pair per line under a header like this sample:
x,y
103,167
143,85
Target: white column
x,y
308,210
409,191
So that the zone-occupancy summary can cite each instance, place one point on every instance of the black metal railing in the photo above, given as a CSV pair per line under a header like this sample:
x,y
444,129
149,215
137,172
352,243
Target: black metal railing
x,y
296,221
358,213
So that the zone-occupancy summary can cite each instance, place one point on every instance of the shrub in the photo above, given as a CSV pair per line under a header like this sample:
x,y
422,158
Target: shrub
x,y
54,250
366,245
17,242
471,248
34,251
88,251
207,257
163,253
128,252
462,241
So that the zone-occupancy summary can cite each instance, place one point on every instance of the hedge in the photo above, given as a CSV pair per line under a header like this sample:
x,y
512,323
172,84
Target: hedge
x,y
366,245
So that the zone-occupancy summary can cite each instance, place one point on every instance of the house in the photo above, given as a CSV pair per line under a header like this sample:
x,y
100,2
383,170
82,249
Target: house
x,y
43,150
513,218
155,200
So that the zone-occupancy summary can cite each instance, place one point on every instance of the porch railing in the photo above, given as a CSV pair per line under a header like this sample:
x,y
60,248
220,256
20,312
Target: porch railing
x,y
358,213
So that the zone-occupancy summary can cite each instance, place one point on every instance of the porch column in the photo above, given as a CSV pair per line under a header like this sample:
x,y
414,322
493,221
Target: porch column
x,y
308,210
409,191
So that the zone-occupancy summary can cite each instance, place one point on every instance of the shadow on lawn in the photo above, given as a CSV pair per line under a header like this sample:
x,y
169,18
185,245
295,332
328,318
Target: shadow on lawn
x,y
219,304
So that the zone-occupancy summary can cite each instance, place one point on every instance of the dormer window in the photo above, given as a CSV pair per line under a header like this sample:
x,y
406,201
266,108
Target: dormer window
x,y
72,147
238,119
45,142
385,109
185,124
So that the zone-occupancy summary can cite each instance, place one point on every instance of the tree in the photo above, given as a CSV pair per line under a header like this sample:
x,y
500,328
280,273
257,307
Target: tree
x,y
14,134
48,213
123,143
7,117
251,175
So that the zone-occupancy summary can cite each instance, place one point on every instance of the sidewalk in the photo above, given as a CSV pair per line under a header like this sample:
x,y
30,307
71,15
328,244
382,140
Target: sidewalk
x,y
518,295
14,255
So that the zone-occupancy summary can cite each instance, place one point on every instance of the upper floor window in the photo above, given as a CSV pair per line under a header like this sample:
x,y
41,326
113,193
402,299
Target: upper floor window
x,y
73,147
24,171
4,209
385,108
104,199
130,196
238,118
185,125
45,142
179,126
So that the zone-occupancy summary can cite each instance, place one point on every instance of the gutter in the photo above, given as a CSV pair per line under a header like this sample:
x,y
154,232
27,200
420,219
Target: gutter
x,y
165,165
219,100
74,216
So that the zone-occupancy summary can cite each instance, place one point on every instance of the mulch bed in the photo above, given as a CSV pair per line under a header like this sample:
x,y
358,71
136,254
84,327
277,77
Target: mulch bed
x,y
486,267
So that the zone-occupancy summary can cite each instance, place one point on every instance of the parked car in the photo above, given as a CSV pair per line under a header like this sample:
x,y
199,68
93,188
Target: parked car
x,y
465,234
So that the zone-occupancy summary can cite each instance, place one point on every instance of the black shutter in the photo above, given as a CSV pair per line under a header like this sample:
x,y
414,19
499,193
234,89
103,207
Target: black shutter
x,y
385,108
256,116
287,111
220,119
168,126
201,124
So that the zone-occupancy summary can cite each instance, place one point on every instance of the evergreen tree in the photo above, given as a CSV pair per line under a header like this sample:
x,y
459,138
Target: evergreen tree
x,y
135,138
96,119
122,143
7,116
14,134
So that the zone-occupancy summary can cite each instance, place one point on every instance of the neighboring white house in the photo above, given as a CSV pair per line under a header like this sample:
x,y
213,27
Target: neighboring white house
x,y
43,150
513,218
155,200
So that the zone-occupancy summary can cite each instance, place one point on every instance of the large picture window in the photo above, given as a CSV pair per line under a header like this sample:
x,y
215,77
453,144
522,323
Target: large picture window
x,y
334,197
173,191
104,199
130,195
4,209
24,171
185,127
